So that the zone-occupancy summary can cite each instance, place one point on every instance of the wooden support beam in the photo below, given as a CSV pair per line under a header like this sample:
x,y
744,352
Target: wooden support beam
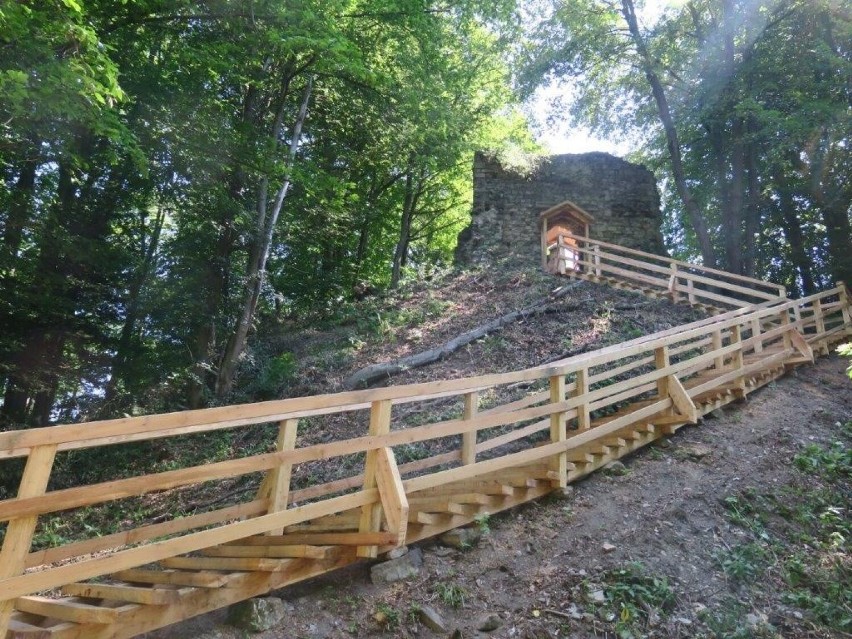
x,y
581,388
259,564
280,475
66,610
173,577
682,401
19,532
273,551
716,345
558,430
392,494
471,408
801,345
380,421
321,539
122,592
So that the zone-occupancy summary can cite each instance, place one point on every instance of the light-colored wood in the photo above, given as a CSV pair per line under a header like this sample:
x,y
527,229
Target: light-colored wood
x,y
261,564
122,592
392,494
662,362
719,361
558,430
682,401
279,477
581,389
380,422
471,407
19,532
66,610
273,551
321,539
194,579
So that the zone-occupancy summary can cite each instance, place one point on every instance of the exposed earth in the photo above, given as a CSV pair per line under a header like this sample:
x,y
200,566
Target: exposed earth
x,y
738,527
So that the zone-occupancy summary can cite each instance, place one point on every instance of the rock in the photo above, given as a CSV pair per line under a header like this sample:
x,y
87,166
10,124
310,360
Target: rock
x,y
608,547
489,623
562,493
257,615
461,538
396,553
457,634
596,596
717,413
697,451
443,551
431,619
615,468
753,620
216,633
397,569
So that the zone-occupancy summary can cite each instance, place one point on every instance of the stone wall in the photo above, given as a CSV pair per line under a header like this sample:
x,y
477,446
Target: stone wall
x,y
622,197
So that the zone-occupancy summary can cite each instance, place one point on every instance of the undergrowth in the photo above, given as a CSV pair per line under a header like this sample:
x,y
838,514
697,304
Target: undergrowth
x,y
799,540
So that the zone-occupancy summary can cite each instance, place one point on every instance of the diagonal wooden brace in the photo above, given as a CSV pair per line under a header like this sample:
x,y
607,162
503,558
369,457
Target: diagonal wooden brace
x,y
682,401
392,494
800,344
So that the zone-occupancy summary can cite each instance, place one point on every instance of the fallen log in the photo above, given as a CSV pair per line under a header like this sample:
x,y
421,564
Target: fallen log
x,y
369,375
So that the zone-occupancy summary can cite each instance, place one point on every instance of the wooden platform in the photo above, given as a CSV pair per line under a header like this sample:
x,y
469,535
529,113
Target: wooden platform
x,y
597,407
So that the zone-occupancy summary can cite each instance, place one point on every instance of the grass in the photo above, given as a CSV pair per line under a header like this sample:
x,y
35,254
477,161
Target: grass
x,y
800,540
452,595
633,596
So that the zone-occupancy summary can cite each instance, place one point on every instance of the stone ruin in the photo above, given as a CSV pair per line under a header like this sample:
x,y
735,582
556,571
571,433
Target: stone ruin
x,y
621,198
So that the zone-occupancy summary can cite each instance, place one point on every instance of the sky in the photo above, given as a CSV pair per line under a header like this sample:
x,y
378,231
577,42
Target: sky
x,y
557,136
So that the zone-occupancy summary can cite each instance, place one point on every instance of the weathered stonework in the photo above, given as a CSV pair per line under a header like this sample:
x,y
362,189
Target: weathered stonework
x,y
622,197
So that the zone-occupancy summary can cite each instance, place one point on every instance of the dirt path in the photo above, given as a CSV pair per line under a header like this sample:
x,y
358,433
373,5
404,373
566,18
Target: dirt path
x,y
542,566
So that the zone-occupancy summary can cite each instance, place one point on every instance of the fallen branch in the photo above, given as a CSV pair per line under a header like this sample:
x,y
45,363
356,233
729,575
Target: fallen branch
x,y
378,372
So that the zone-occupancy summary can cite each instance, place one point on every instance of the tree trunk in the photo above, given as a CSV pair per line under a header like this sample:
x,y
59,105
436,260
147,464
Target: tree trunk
x,y
404,229
259,256
696,219
20,209
793,232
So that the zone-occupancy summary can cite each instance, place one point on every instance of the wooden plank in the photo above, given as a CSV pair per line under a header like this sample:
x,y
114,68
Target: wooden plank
x,y
173,577
380,420
392,493
279,477
122,592
558,430
468,450
322,539
682,401
260,564
515,435
800,344
66,610
274,551
146,533
19,532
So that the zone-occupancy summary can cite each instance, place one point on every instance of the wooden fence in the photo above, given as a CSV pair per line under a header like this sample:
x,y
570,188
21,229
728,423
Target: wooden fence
x,y
579,414
680,281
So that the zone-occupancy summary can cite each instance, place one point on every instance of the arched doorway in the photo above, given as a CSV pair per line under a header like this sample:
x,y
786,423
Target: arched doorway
x,y
559,223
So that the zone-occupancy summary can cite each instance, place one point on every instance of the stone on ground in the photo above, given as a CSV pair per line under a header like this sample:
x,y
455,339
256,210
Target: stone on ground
x,y
397,569
432,619
461,538
257,615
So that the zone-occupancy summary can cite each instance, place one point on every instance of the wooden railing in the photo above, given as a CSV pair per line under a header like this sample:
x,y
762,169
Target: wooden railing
x,y
577,404
682,281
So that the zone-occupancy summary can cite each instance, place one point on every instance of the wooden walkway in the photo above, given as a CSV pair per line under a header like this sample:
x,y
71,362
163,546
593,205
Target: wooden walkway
x,y
587,411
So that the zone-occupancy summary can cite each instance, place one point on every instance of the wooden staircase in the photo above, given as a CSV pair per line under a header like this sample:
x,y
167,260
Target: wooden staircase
x,y
586,411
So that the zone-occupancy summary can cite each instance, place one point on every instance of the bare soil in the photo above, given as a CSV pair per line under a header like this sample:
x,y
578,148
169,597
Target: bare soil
x,y
538,567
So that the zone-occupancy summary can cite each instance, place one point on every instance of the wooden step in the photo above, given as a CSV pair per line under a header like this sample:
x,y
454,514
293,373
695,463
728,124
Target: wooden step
x,y
174,577
273,551
122,592
67,610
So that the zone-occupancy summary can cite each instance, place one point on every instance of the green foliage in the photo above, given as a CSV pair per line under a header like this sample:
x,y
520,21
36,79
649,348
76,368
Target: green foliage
x,y
846,351
451,594
633,594
831,463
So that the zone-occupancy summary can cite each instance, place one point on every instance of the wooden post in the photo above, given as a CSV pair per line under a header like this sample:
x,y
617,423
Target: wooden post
x,y
737,358
19,532
581,387
558,430
819,326
380,419
756,331
661,360
719,361
279,481
560,255
392,494
784,318
597,259
690,290
544,244
471,407
844,306
673,283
